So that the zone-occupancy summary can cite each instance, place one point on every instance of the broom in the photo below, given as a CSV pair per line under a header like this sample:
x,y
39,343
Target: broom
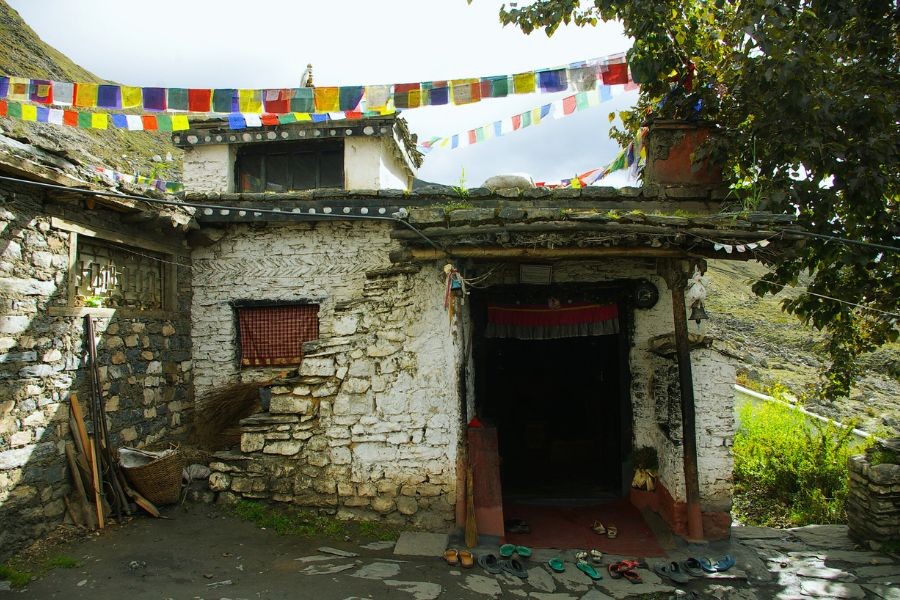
x,y
222,409
471,528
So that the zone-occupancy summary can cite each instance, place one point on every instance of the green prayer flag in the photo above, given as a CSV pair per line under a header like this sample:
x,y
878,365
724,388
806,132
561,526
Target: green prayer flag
x,y
303,100
286,118
164,122
14,110
499,86
177,99
526,119
85,119
223,101
581,101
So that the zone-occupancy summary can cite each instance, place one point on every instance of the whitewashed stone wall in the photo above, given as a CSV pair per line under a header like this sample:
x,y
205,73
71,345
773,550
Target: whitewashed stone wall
x,y
210,168
370,428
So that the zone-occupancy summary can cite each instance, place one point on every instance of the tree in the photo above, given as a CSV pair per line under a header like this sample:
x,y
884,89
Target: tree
x,y
805,92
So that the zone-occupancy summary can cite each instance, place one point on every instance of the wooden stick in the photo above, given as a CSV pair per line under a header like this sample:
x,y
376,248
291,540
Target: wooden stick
x,y
71,512
79,423
97,496
79,487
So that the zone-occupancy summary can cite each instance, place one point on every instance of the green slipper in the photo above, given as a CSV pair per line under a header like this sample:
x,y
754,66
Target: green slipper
x,y
506,550
588,570
523,551
557,564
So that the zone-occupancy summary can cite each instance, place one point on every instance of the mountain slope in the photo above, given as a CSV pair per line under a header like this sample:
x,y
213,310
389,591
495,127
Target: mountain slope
x,y
24,54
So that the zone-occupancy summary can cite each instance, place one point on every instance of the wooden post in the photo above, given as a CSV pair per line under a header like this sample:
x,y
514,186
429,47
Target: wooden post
x,y
676,278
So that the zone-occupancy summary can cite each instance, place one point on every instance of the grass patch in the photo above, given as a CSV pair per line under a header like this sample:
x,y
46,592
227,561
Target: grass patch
x,y
305,523
61,561
15,576
19,571
789,471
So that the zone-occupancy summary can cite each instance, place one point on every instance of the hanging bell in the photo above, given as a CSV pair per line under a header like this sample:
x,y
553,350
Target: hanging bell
x,y
698,313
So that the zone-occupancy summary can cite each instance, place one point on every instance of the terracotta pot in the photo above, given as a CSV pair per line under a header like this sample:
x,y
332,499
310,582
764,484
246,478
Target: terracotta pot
x,y
670,146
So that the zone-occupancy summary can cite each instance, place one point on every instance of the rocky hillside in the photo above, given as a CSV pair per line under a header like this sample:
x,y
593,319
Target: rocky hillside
x,y
23,54
777,349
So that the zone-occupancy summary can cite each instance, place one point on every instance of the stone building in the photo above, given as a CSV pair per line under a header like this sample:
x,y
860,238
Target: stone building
x,y
556,326
60,252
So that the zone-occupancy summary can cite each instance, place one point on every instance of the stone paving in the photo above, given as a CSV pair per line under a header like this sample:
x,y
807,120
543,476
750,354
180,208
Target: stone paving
x,y
186,557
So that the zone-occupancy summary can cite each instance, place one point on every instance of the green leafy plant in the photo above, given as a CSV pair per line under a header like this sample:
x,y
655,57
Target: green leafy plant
x,y
460,188
305,523
16,577
789,471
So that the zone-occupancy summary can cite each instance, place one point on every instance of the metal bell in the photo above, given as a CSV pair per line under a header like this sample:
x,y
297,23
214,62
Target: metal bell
x,y
698,313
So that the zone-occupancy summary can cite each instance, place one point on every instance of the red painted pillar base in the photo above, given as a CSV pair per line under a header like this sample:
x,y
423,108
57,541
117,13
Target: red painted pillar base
x,y
695,522
484,456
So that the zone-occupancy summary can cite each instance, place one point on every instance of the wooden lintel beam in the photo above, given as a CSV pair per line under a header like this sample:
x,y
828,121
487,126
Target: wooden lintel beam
x,y
427,254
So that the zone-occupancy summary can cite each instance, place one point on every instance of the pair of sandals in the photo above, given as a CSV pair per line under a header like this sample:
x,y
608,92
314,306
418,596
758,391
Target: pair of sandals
x,y
557,565
507,550
495,566
693,567
611,532
594,555
462,558
626,569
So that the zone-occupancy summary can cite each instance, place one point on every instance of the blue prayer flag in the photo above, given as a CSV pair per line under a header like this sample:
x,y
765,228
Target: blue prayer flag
x,y
109,96
120,121
237,121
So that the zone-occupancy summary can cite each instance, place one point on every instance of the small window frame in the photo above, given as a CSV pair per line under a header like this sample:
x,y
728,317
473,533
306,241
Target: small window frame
x,y
241,305
317,150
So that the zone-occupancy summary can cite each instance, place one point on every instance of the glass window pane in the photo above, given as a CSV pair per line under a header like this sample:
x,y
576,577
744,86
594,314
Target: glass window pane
x,y
303,165
331,169
250,174
278,175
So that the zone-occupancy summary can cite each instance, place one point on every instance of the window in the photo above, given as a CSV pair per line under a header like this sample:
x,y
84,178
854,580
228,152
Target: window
x,y
274,335
283,167
112,276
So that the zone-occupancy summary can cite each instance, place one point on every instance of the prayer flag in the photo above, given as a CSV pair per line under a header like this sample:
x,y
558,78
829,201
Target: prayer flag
x,y
120,121
495,87
526,119
86,94
199,100
523,83
164,122
353,114
438,93
236,121
473,137
269,119
55,116
581,100
569,103
131,96
29,112
134,122
154,98
14,110
318,117
250,101
583,78
350,95
149,123
41,91
99,120
252,120
177,99
278,101
553,81
479,134
516,122
70,118
224,100
377,96
498,128
19,88
43,114
327,99
63,92
302,100
287,118
546,109
616,74
180,123
4,86
109,96
85,120
407,95
465,91
605,93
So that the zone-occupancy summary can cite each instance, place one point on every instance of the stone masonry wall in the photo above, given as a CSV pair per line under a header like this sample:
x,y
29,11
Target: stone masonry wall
x,y
370,428
145,367
873,500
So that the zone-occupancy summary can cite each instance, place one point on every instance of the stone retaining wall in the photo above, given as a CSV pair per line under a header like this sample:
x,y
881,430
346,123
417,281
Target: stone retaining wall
x,y
873,501
145,365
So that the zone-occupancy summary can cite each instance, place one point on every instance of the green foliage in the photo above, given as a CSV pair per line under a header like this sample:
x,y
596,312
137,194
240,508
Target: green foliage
x,y
645,457
61,561
15,576
304,523
461,190
804,94
789,471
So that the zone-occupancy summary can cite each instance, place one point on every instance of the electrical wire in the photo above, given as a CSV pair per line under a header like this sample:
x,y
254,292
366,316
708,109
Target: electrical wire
x,y
841,239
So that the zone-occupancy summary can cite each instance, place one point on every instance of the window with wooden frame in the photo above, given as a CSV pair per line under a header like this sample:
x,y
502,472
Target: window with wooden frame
x,y
289,166
108,270
274,334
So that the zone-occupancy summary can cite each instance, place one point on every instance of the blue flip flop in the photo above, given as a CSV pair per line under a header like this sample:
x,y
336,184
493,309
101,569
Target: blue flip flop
x,y
724,563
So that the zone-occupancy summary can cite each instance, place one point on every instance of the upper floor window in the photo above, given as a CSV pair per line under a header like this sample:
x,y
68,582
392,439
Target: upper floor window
x,y
117,276
283,167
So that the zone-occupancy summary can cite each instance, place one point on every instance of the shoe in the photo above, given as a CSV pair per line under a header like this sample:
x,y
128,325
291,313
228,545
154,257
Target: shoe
x,y
692,567
466,560
581,556
506,550
724,563
588,570
612,531
523,551
557,565
451,555
489,563
598,528
514,567
632,576
671,571
616,569
596,556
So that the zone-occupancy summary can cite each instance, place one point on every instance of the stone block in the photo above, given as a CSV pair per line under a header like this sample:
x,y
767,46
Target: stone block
x,y
292,405
383,504
219,482
345,488
329,388
284,448
317,367
355,385
407,505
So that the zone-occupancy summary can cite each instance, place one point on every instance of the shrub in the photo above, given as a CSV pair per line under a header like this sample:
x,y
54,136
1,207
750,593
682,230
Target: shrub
x,y
790,470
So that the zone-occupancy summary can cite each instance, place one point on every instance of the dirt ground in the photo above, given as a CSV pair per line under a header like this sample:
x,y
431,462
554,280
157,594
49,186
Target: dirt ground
x,y
204,552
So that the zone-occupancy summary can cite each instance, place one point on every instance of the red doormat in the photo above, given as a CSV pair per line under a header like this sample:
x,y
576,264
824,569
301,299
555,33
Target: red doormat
x,y
569,527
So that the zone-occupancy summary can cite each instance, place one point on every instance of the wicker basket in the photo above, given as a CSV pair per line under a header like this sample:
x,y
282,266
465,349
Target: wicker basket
x,y
159,480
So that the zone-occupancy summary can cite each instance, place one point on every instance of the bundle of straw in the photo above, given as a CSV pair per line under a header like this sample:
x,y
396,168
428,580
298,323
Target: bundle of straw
x,y
218,414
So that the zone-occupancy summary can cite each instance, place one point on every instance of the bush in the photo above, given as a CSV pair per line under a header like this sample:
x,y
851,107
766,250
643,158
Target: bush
x,y
789,470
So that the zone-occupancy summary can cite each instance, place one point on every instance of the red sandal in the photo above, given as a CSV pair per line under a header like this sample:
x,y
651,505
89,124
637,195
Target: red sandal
x,y
632,576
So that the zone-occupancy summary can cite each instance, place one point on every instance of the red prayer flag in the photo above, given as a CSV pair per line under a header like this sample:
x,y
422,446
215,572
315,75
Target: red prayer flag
x,y
268,119
70,118
569,105
280,102
473,137
350,114
199,100
516,121
616,74
149,122
3,108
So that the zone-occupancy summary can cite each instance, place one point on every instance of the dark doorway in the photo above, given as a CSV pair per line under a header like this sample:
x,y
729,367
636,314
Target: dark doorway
x,y
558,408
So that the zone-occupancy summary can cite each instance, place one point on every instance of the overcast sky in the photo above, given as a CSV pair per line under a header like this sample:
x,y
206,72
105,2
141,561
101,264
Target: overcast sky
x,y
225,43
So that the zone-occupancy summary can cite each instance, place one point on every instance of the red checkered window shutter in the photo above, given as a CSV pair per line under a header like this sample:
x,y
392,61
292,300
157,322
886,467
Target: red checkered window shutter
x,y
274,335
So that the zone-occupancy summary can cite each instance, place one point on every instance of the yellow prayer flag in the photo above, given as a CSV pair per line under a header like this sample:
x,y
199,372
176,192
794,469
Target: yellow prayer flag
x,y
327,99
180,123
131,96
43,90
535,116
29,112
86,95
18,89
444,142
250,101
99,120
524,83
302,116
